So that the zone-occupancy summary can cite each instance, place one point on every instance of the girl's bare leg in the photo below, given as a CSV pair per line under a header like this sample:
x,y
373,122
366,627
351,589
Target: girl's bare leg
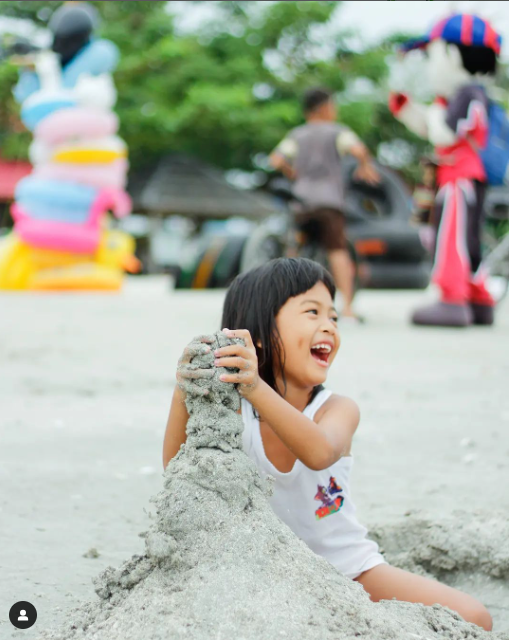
x,y
385,582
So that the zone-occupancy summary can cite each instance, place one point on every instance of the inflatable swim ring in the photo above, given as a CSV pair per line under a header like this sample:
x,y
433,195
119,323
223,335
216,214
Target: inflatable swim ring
x,y
76,122
43,104
87,276
65,236
113,174
25,267
52,193
99,151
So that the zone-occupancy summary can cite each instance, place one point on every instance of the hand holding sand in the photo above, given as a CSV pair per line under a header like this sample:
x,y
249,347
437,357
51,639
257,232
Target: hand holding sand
x,y
187,372
242,357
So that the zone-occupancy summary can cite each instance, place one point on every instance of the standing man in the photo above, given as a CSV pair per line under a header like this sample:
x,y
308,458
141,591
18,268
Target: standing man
x,y
310,156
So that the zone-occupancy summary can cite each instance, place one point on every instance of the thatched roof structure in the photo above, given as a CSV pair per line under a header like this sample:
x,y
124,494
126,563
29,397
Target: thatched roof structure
x,y
181,185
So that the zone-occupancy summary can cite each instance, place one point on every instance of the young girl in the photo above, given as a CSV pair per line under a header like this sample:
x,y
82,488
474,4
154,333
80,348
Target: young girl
x,y
297,430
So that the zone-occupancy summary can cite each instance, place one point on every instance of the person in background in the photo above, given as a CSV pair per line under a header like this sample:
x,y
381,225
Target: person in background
x,y
424,197
311,156
425,193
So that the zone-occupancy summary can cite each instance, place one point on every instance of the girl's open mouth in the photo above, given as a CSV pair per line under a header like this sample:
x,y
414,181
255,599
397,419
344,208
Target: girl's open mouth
x,y
321,356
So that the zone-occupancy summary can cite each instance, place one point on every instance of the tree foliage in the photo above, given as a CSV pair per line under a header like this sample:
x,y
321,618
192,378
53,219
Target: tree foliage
x,y
228,90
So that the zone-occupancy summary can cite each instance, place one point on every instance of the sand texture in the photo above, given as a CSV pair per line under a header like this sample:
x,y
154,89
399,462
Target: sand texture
x,y
85,386
219,564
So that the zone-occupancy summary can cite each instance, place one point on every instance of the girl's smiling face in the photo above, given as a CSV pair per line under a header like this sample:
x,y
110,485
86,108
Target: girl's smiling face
x,y
303,322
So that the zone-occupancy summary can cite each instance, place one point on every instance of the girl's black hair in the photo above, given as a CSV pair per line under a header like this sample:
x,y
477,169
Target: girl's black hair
x,y
254,299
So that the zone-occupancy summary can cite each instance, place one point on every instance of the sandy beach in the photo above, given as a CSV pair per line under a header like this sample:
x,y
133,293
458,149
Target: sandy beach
x,y
86,384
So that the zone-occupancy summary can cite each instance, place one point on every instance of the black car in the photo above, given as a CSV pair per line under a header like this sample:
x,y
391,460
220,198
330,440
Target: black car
x,y
385,245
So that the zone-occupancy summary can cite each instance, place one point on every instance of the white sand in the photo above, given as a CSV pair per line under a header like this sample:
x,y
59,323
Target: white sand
x,y
86,384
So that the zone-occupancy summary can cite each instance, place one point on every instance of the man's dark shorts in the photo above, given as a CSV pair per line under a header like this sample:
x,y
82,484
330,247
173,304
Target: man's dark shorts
x,y
327,226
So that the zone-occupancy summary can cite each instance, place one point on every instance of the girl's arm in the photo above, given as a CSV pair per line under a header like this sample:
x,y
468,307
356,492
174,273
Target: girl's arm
x,y
175,435
317,445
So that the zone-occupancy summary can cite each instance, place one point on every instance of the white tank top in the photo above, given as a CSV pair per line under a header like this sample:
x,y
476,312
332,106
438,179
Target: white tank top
x,y
316,505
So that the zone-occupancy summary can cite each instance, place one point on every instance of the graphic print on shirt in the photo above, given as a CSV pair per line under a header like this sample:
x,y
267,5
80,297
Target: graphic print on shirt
x,y
330,499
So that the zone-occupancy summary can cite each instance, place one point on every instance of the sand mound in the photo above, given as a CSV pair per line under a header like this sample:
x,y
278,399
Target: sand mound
x,y
219,564
464,542
467,550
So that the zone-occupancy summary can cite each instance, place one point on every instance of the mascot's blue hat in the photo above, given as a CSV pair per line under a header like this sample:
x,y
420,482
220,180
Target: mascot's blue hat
x,y
460,28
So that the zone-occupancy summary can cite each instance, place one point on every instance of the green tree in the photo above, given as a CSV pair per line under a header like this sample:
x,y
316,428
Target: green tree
x,y
230,89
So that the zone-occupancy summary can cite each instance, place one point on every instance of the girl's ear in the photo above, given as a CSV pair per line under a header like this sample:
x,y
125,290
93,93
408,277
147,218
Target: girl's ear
x,y
259,344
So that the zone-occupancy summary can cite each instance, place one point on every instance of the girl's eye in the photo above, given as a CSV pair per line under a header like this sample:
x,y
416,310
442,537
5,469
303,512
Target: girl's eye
x,y
335,318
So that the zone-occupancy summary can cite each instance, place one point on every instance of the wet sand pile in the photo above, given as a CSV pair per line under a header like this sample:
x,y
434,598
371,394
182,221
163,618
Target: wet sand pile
x,y
467,550
219,564
463,543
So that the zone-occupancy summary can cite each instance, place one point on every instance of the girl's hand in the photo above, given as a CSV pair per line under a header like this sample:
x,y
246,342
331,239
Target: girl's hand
x,y
244,358
186,372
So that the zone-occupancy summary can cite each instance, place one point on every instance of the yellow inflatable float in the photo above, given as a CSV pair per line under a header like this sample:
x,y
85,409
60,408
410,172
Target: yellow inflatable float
x,y
27,268
101,151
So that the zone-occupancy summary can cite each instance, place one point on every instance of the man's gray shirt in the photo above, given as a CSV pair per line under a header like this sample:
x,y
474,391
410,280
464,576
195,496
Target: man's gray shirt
x,y
314,150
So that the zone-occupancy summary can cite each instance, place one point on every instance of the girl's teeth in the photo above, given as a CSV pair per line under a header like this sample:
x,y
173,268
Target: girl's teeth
x,y
322,346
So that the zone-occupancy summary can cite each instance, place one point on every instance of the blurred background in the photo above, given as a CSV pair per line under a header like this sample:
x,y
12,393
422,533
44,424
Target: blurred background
x,y
205,92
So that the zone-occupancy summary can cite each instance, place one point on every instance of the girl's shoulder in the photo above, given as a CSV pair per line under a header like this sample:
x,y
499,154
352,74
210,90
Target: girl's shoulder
x,y
336,402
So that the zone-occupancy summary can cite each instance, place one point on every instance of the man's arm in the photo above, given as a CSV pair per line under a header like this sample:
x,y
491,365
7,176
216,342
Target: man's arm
x,y
366,170
279,163
349,142
283,156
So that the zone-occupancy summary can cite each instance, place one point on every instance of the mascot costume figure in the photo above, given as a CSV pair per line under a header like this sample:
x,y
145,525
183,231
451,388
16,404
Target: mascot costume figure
x,y
61,239
462,53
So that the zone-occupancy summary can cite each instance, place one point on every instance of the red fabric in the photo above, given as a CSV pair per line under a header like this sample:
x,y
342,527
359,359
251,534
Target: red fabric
x,y
397,101
438,29
464,163
10,174
462,160
490,38
478,294
467,29
452,267
441,101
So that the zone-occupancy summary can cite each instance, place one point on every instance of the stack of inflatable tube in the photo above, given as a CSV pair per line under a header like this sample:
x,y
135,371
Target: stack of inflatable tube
x,y
61,240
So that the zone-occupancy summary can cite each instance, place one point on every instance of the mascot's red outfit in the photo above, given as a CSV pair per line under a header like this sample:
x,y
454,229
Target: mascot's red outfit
x,y
461,177
459,205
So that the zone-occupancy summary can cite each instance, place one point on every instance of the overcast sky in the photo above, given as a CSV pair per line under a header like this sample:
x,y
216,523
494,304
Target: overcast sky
x,y
374,20
377,19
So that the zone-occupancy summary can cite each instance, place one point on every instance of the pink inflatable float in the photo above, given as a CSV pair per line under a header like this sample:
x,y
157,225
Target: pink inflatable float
x,y
80,164
66,236
113,174
76,122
